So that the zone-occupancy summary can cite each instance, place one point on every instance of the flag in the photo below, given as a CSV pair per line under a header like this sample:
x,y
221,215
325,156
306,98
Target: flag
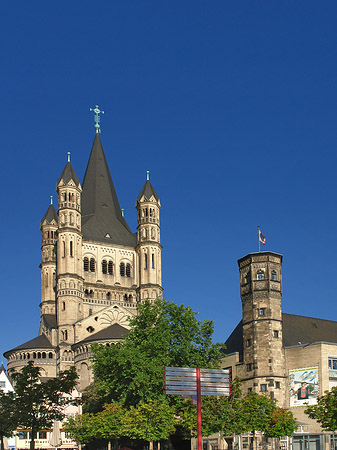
x,y
262,238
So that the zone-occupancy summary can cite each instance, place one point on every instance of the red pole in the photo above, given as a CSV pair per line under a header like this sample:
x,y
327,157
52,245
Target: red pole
x,y
199,410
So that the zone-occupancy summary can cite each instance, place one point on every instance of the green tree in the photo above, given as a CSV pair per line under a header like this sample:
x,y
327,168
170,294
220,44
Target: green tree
x,y
37,404
325,411
163,334
81,428
7,416
151,421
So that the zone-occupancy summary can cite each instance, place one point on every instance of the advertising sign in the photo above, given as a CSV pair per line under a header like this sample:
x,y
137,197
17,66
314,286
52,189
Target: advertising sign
x,y
304,387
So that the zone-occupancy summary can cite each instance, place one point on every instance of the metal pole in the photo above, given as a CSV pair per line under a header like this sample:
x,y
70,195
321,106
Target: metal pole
x,y
199,410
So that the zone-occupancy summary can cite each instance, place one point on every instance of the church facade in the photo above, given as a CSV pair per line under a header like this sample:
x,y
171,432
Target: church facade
x,y
94,269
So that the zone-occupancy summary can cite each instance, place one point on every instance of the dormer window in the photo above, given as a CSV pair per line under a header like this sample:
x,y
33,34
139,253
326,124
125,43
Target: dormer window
x,y
260,275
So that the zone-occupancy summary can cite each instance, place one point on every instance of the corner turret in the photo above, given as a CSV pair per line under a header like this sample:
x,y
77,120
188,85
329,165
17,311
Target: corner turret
x,y
148,242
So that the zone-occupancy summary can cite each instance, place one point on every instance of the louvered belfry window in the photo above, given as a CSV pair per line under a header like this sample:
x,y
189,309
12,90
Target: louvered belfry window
x,y
122,269
86,264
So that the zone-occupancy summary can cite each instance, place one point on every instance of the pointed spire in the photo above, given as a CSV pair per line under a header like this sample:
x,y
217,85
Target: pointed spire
x,y
50,215
68,174
147,190
101,212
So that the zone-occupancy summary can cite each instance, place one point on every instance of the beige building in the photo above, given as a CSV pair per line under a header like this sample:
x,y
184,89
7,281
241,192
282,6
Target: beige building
x,y
94,269
290,357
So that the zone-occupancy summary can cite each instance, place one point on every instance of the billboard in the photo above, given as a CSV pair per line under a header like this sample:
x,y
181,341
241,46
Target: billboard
x,y
304,387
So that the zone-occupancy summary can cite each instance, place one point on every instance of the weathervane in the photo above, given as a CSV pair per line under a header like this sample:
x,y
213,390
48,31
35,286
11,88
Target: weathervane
x,y
97,112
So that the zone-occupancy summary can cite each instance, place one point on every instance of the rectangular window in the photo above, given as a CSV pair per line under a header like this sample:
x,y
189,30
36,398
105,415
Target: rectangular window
x,y
152,261
250,389
2,384
278,385
263,387
332,363
248,342
42,435
249,367
262,311
276,334
145,261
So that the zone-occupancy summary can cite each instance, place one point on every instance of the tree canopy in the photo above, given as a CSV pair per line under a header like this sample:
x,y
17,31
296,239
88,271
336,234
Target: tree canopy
x,y
325,411
7,416
163,334
37,404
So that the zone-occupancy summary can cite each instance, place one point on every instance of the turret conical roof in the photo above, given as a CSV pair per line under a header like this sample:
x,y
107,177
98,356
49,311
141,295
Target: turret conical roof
x,y
68,174
147,192
50,215
102,218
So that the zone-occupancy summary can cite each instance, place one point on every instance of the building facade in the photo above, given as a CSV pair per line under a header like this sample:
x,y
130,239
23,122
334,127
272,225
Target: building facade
x,y
94,270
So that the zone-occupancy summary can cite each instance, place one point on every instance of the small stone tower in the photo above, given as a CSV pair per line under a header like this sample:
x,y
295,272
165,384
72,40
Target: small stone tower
x,y
69,255
148,243
263,355
48,227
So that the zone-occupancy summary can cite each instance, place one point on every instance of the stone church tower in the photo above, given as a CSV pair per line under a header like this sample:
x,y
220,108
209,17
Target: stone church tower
x,y
94,270
263,365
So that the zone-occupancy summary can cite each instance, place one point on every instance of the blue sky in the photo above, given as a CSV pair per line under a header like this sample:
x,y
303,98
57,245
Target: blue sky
x,y
230,105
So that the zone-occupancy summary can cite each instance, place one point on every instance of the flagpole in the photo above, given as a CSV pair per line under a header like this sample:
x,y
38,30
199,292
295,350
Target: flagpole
x,y
258,236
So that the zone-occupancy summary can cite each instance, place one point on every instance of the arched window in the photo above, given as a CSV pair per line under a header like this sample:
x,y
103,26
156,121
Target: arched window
x,y
248,277
46,279
63,306
260,275
125,297
65,335
44,355
64,196
110,268
64,249
152,260
71,219
104,266
50,355
38,355
122,269
128,270
145,261
86,264
92,265
71,246
273,275
130,298
108,295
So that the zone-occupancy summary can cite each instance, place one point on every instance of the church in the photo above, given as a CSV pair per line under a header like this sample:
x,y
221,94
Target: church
x,y
94,269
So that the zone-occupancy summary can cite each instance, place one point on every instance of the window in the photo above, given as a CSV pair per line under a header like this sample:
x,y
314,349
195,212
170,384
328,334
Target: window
x,y
260,275
2,384
86,264
248,342
122,269
273,275
263,387
276,334
250,389
128,270
92,265
278,385
110,268
332,363
104,267
248,278
249,367
63,306
64,249
152,260
262,311
145,261
71,251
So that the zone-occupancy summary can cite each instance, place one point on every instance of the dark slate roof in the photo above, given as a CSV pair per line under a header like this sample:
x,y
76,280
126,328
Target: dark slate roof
x,y
297,330
305,330
147,191
50,215
114,331
50,319
39,342
101,213
68,174
2,368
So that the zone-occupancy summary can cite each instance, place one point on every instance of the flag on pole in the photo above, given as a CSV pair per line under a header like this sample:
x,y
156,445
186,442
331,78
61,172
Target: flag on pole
x,y
262,238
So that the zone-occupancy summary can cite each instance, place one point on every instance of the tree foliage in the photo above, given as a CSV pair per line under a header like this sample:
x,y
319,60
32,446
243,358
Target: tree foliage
x,y
325,411
163,334
7,416
37,404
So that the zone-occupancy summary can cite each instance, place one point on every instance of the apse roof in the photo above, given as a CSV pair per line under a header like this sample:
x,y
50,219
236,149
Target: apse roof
x,y
38,342
114,331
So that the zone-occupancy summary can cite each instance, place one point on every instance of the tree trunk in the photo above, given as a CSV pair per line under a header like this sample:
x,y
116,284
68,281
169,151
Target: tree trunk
x,y
2,443
151,445
32,441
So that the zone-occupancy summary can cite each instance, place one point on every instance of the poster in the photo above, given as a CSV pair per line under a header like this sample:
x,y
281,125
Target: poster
x,y
304,387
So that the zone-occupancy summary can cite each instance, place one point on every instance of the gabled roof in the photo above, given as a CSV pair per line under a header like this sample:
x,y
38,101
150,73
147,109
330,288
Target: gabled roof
x,y
147,192
68,174
50,215
40,342
297,330
102,218
2,368
114,331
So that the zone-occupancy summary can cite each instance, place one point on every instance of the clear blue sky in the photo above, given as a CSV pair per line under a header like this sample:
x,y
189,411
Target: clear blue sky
x,y
230,105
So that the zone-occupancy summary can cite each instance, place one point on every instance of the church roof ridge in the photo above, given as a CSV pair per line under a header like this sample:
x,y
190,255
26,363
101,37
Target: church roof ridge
x,y
102,218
